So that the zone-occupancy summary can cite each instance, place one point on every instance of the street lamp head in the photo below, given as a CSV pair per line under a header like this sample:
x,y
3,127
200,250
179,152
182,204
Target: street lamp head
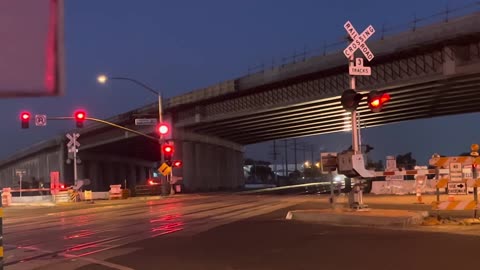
x,y
102,79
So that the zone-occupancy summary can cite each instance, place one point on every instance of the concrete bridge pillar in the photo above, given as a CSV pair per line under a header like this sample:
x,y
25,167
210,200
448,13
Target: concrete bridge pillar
x,y
131,175
188,154
108,177
142,175
94,175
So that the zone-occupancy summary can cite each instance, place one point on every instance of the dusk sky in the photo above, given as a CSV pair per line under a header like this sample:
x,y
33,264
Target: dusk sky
x,y
179,46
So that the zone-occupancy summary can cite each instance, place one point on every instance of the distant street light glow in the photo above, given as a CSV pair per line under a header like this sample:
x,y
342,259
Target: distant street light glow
x,y
102,79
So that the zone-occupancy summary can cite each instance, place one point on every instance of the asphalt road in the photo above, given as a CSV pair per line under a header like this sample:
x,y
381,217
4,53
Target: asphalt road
x,y
218,232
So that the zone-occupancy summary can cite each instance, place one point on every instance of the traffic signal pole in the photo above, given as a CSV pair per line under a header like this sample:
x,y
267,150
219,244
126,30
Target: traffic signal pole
x,y
168,177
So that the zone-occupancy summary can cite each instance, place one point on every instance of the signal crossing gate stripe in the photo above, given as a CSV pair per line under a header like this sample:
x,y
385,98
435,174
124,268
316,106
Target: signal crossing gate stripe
x,y
405,172
456,205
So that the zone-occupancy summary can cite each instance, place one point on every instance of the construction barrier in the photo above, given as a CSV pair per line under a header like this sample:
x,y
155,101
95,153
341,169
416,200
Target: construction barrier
x,y
455,205
115,192
62,197
6,197
88,195
73,195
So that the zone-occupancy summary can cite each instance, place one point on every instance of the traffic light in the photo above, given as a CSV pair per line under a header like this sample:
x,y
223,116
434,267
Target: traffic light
x,y
168,150
177,164
376,100
163,129
350,100
25,118
80,118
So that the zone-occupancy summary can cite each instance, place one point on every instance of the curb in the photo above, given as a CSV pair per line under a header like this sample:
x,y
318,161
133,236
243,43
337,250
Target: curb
x,y
378,217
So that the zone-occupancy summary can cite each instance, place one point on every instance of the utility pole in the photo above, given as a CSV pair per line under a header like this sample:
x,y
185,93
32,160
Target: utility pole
x,y
274,154
313,151
295,152
286,157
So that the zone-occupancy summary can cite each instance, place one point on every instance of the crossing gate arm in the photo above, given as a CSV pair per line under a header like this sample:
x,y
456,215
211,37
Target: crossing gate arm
x,y
409,172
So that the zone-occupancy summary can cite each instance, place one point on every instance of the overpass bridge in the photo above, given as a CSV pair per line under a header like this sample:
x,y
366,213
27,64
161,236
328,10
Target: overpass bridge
x,y
432,71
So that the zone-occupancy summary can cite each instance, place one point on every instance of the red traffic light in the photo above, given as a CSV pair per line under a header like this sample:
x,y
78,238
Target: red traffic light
x,y
80,115
377,100
163,129
25,116
168,149
177,163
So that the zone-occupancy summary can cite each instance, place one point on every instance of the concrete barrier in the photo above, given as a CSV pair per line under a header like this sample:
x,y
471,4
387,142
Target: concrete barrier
x,y
372,217
32,199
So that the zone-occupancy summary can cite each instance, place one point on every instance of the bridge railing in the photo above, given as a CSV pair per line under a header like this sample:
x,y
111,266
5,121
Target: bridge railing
x,y
448,13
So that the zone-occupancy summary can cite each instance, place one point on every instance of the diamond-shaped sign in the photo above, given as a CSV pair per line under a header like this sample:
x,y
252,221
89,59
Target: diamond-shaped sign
x,y
165,169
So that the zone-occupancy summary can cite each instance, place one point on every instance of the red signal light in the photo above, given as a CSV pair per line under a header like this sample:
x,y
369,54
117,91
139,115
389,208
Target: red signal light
x,y
80,117
62,186
25,118
163,129
177,163
168,149
375,103
377,100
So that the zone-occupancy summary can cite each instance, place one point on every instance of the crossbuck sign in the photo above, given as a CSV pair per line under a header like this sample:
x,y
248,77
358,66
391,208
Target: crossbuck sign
x,y
358,41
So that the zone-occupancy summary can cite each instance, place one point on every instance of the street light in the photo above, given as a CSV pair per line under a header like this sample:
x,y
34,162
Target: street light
x,y
102,79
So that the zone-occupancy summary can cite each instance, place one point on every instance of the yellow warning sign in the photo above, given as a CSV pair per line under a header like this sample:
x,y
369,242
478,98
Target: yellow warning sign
x,y
165,169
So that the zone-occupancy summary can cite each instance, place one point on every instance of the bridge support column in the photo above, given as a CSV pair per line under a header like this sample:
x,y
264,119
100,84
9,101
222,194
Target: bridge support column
x,y
142,176
94,175
188,170
201,161
131,176
108,175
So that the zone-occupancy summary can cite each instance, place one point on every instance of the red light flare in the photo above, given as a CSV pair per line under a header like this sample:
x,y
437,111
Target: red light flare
x,y
377,102
177,164
163,129
80,115
25,116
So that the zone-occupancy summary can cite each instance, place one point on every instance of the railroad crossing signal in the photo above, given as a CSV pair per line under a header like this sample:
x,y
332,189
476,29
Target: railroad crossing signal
x,y
350,100
73,143
358,41
376,100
